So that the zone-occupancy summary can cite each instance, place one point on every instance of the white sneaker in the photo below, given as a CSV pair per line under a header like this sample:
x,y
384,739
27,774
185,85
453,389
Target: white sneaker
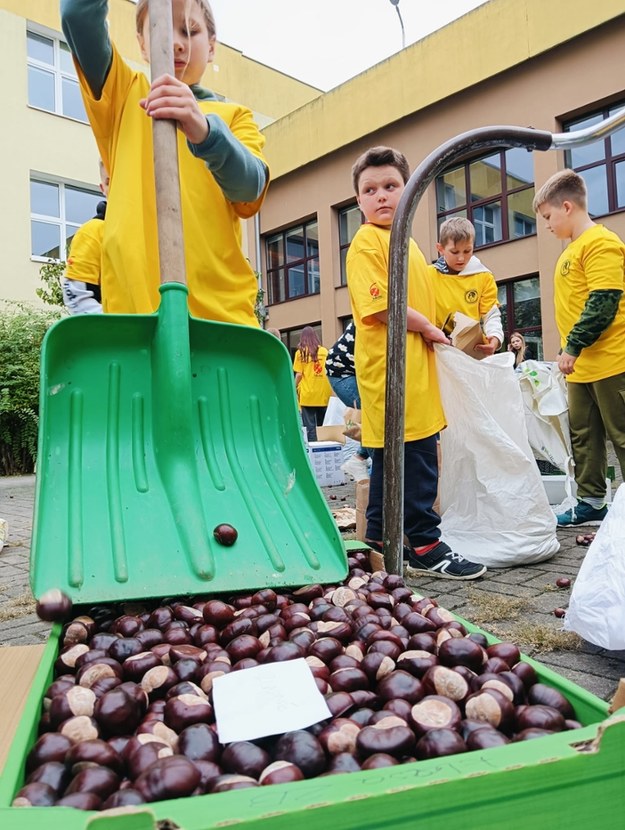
x,y
356,468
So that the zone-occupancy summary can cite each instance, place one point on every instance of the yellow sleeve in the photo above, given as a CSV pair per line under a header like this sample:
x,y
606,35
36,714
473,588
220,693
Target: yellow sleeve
x,y
85,254
245,128
602,261
298,364
488,294
367,274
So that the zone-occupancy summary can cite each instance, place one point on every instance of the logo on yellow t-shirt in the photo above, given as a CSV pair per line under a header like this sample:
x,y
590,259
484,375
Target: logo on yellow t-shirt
x,y
374,291
565,268
317,368
471,296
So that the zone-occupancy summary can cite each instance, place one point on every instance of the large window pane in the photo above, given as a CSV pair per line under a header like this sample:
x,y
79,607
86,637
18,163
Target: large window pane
x,y
312,239
297,281
45,239
313,276
521,217
485,178
40,88
349,222
487,221
294,244
44,199
40,48
526,294
591,152
80,205
619,172
65,59
596,182
451,190
519,168
72,101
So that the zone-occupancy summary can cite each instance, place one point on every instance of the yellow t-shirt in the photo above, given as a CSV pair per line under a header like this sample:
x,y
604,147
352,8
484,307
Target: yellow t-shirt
x,y
85,254
473,295
222,285
595,261
314,388
367,281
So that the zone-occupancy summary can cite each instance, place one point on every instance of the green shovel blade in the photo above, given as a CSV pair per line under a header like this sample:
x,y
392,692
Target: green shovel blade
x,y
154,429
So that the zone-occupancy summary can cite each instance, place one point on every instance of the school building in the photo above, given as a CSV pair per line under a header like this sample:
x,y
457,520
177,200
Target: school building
x,y
553,66
48,158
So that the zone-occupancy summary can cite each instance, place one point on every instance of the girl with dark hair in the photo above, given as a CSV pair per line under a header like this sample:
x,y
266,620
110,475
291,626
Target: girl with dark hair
x,y
311,382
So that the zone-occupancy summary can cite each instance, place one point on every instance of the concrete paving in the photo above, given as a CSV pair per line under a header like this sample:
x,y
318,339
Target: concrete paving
x,y
512,603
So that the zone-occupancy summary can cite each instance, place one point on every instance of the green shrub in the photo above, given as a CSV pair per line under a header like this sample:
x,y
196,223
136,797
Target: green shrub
x,y
22,328
51,273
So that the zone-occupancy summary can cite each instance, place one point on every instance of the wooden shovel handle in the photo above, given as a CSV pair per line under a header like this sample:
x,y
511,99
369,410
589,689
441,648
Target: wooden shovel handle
x,y
168,209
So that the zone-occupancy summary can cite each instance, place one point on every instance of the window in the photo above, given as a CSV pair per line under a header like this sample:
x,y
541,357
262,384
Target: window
x,y
57,210
602,164
293,263
519,302
350,219
494,192
52,80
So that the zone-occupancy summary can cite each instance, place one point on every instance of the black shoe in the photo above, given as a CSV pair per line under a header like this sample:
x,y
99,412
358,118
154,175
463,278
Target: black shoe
x,y
442,561
379,548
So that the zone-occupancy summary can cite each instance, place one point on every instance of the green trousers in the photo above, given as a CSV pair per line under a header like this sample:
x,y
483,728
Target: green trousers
x,y
596,411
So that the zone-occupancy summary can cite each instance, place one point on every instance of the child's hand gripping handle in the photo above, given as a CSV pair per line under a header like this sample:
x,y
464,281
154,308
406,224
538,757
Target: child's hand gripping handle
x,y
168,210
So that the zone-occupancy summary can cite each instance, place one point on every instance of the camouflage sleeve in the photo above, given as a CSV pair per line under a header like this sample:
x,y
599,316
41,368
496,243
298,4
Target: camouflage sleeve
x,y
598,314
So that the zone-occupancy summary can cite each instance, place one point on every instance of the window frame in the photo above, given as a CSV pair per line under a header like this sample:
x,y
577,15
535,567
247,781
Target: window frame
x,y
281,271
609,160
468,208
55,69
60,221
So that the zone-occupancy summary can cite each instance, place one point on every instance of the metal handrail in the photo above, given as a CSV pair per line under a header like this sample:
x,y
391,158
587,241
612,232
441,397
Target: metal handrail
x,y
484,138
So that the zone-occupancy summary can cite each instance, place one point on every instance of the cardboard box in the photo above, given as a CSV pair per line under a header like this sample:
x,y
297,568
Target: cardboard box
x,y
331,433
326,458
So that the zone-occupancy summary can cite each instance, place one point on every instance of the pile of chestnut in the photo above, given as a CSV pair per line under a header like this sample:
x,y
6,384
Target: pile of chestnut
x,y
129,717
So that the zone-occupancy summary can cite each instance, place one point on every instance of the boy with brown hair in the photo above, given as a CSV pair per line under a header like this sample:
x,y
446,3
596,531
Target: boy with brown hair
x,y
589,283
379,177
462,283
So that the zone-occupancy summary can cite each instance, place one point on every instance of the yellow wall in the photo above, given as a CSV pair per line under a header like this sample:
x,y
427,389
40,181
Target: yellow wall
x,y
39,142
493,38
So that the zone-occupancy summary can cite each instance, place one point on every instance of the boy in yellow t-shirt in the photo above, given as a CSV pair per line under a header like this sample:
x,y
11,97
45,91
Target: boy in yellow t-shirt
x,y
589,302
379,177
223,175
81,283
462,283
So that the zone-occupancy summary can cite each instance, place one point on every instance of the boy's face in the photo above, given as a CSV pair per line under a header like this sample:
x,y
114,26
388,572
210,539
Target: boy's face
x,y
379,192
558,219
194,47
456,254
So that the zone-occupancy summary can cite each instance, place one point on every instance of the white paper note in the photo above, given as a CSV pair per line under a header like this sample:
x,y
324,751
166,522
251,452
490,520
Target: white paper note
x,y
267,700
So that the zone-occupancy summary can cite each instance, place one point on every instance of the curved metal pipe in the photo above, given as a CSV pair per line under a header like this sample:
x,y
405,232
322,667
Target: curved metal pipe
x,y
496,137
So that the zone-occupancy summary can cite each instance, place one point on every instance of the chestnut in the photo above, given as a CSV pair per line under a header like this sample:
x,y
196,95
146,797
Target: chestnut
x,y
280,772
35,794
506,651
184,710
199,742
548,696
80,801
225,783
339,736
51,746
76,701
302,749
400,684
440,680
459,651
379,760
492,707
80,728
396,741
54,773
225,534
53,606
435,712
343,762
539,716
244,758
172,777
439,742
123,798
100,781
118,712
95,752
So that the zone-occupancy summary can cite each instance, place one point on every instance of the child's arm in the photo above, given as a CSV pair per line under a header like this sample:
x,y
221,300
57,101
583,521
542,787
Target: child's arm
x,y
417,322
493,331
597,316
84,27
79,297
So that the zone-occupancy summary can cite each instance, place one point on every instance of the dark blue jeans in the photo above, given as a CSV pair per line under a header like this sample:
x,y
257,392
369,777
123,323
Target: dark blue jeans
x,y
421,523
346,390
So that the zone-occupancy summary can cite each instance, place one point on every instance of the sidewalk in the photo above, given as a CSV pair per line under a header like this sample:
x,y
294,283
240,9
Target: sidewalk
x,y
512,603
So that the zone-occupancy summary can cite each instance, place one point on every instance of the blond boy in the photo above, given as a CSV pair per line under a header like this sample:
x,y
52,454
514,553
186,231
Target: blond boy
x,y
462,283
590,315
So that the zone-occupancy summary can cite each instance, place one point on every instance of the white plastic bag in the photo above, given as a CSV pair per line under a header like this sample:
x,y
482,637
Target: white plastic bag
x,y
543,389
597,608
334,412
494,507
